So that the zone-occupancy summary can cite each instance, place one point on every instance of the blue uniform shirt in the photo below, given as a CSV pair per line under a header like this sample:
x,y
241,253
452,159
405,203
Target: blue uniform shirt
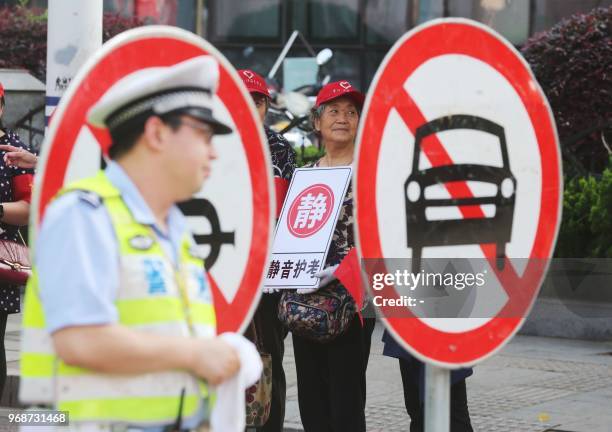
x,y
77,254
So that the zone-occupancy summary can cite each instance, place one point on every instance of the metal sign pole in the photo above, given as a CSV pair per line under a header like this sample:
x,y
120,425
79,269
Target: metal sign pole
x,y
437,399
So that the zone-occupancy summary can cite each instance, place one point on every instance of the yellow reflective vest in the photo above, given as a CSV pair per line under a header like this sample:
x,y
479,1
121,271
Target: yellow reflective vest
x,y
153,296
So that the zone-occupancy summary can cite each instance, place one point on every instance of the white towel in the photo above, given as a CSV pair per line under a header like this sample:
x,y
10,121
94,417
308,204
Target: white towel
x,y
229,412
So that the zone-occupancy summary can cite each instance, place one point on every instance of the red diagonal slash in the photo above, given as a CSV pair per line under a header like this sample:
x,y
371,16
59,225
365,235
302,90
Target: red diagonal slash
x,y
221,305
429,343
519,292
225,311
102,136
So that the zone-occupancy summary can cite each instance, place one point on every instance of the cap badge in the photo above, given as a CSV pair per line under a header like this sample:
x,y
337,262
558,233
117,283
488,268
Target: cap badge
x,y
248,74
345,85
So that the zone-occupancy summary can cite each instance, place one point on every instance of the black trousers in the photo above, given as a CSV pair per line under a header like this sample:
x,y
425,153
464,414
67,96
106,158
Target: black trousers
x,y
331,380
272,336
459,413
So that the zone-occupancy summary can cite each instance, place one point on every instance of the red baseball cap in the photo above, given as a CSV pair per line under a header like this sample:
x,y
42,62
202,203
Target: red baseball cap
x,y
338,89
1,90
254,82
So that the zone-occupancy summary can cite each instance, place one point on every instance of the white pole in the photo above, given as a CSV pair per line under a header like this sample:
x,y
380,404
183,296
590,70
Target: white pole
x,y
437,399
283,53
74,32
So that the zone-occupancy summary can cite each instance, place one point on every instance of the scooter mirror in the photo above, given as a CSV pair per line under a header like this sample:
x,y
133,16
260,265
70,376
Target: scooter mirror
x,y
248,51
324,56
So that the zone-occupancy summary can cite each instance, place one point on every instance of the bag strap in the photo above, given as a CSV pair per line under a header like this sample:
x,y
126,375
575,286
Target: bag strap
x,y
253,331
21,238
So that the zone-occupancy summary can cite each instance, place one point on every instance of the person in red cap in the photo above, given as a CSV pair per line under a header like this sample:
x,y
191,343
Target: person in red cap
x,y
15,192
270,330
331,376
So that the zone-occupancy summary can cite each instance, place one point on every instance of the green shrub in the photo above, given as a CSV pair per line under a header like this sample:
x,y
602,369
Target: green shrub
x,y
23,40
586,227
600,217
308,154
572,63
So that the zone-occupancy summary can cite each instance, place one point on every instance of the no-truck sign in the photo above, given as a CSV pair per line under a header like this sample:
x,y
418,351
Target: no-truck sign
x,y
232,216
458,157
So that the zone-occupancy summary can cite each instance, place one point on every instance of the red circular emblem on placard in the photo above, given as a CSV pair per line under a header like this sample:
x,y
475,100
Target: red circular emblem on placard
x,y
310,210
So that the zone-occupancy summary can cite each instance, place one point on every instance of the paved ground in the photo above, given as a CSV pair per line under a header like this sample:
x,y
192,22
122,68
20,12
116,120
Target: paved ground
x,y
535,384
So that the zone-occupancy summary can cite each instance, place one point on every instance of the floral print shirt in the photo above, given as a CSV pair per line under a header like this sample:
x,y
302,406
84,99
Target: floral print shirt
x,y
344,237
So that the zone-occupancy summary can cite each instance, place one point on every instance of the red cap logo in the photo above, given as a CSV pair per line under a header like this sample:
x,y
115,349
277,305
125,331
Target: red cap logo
x,y
338,89
310,210
254,82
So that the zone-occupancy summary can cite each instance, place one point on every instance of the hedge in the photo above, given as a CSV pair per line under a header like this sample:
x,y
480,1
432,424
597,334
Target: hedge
x,y
23,37
573,63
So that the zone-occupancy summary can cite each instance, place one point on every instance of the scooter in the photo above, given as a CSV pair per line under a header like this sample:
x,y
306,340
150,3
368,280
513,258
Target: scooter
x,y
289,112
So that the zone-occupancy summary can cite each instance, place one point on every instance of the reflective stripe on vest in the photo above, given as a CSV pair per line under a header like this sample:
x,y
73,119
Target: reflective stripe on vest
x,y
148,299
37,362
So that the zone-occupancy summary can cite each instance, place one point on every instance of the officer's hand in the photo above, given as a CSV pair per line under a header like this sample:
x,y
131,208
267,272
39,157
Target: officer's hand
x,y
215,360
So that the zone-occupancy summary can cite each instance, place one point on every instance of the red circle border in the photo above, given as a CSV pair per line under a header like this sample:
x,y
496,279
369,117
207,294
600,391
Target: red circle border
x,y
148,52
427,343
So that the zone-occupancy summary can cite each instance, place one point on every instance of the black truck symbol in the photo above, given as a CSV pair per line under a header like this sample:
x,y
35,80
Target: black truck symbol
x,y
496,229
217,238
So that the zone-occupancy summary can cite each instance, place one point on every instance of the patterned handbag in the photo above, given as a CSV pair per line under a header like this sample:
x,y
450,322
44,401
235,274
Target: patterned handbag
x,y
321,316
259,395
15,265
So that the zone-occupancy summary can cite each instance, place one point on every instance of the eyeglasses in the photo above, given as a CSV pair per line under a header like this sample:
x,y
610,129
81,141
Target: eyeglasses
x,y
207,130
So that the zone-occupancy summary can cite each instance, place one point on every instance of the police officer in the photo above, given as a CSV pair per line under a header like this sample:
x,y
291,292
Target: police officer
x,y
271,331
119,326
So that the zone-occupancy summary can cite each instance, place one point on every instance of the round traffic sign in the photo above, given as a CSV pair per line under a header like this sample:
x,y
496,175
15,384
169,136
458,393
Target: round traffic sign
x,y
458,157
232,217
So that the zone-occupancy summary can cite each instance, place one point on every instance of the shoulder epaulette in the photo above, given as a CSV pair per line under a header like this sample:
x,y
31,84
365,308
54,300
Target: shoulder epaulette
x,y
90,198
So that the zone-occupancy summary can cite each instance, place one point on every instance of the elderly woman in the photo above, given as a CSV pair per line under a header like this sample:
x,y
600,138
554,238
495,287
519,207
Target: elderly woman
x,y
15,190
331,375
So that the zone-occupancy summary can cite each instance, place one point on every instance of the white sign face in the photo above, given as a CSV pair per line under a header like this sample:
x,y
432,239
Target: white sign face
x,y
232,216
306,226
458,158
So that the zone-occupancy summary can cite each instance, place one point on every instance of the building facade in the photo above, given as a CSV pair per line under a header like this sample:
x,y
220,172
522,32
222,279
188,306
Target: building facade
x,y
252,33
